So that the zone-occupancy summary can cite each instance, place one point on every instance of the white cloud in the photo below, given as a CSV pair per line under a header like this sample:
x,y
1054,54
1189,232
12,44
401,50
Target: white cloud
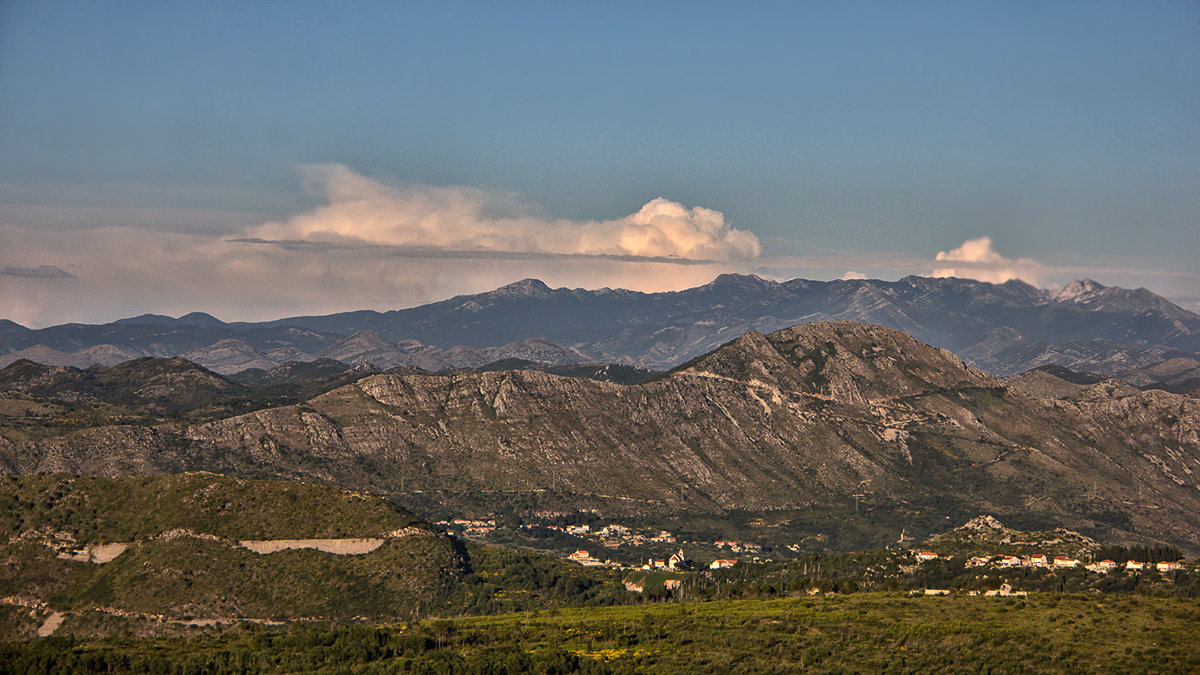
x,y
851,274
976,259
459,218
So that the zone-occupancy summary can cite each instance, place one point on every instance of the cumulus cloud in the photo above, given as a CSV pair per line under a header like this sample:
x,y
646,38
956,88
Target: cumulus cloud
x,y
977,259
128,271
362,209
851,274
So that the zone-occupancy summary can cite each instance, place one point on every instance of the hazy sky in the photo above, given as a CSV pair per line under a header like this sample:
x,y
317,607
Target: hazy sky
x,y
263,159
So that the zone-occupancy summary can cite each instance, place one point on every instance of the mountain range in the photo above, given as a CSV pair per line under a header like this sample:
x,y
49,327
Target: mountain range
x,y
828,417
1002,328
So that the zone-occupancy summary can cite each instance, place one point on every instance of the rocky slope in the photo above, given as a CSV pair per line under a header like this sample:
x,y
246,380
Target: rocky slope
x,y
813,416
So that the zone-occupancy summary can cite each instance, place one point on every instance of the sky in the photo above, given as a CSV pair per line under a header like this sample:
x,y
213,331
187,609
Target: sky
x,y
256,160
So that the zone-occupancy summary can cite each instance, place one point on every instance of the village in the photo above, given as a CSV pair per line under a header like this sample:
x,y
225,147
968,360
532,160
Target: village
x,y
615,536
1042,561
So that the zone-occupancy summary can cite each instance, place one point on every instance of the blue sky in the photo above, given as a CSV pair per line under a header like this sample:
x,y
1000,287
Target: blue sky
x,y
171,157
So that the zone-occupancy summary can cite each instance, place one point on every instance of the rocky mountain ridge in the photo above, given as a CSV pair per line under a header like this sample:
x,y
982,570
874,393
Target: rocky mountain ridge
x,y
1003,328
830,415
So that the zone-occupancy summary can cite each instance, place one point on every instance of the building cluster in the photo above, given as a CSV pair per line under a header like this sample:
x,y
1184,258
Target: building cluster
x,y
738,547
584,558
612,535
677,561
1040,560
470,527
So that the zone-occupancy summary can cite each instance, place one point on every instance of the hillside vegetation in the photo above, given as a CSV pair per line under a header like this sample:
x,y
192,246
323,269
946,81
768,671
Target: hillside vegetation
x,y
861,633
181,562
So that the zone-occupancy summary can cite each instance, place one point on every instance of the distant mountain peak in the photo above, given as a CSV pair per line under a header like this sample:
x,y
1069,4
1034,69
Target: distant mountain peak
x,y
190,319
146,319
1022,284
744,281
199,319
1078,289
525,288
844,361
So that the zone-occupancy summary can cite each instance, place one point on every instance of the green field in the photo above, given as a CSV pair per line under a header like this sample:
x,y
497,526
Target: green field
x,y
861,632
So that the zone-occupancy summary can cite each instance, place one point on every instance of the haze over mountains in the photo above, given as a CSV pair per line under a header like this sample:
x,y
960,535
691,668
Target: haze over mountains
x,y
1002,328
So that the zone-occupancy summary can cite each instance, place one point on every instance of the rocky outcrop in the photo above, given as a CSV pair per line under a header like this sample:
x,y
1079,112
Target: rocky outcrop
x,y
334,546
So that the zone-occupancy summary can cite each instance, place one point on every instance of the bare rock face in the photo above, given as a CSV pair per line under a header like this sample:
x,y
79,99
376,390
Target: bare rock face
x,y
230,356
984,523
846,361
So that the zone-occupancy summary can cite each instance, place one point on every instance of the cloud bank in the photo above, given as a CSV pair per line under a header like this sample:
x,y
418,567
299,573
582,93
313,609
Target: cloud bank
x,y
976,259
372,246
457,218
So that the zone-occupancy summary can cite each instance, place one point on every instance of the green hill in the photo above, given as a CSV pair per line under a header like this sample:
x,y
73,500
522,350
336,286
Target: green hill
x,y
149,555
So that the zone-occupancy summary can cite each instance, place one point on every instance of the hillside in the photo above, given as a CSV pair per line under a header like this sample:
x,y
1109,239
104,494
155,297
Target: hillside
x,y
861,421
181,558
169,554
